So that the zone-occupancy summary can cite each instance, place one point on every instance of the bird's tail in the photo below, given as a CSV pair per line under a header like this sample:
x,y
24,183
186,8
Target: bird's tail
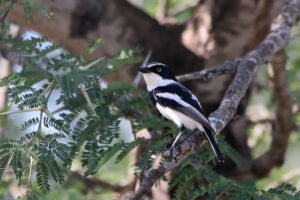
x,y
209,135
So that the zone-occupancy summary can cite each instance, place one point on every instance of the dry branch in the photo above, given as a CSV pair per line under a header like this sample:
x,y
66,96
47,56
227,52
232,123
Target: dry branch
x,y
249,64
207,74
91,183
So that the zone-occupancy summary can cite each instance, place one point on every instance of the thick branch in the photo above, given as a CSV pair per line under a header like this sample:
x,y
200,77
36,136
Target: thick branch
x,y
180,152
276,40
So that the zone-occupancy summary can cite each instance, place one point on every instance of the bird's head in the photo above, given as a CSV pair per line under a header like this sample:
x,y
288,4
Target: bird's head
x,y
157,74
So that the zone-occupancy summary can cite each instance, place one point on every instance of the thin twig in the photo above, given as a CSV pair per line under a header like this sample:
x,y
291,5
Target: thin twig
x,y
144,64
161,11
38,133
58,110
48,113
93,63
88,100
40,124
207,74
20,111
49,87
30,174
91,183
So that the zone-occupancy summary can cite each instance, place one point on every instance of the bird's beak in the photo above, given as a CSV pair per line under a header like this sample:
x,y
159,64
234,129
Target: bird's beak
x,y
143,70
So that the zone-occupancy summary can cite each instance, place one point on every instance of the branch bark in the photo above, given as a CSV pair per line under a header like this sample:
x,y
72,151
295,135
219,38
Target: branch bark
x,y
210,73
250,63
91,183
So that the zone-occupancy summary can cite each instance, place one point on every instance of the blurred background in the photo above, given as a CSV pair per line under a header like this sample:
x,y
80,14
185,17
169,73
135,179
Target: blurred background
x,y
187,35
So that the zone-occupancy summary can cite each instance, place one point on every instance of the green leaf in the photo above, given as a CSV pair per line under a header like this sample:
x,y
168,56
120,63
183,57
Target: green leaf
x,y
127,148
29,123
54,169
17,164
229,151
6,80
29,5
110,153
4,162
94,45
42,176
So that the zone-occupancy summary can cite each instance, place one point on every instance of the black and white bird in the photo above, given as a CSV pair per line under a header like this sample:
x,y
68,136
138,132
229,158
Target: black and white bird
x,y
177,103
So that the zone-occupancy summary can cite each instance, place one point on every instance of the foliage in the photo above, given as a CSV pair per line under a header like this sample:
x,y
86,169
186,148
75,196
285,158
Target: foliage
x,y
211,185
178,10
89,127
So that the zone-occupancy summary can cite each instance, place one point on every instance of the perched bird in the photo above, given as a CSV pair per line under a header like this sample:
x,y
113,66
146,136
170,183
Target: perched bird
x,y
177,103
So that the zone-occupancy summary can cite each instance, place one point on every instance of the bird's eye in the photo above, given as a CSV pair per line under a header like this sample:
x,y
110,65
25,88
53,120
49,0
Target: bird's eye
x,y
159,69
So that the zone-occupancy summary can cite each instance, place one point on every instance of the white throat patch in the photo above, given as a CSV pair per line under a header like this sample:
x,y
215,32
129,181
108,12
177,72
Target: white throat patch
x,y
154,80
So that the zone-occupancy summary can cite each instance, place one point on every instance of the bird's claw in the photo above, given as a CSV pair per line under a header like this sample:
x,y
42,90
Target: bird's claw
x,y
169,143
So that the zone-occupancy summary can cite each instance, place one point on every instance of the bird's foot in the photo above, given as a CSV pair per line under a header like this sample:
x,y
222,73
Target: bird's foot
x,y
170,143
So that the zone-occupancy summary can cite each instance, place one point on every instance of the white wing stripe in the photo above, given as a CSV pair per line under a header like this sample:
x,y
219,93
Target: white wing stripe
x,y
174,97
195,98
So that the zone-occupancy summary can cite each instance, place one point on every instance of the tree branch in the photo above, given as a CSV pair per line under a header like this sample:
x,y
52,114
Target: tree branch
x,y
91,183
210,73
180,152
249,64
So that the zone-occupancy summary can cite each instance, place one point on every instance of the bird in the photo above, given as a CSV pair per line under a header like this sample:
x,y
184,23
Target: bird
x,y
177,103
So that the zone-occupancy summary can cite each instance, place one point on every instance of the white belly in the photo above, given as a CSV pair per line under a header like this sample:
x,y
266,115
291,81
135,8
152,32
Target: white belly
x,y
178,118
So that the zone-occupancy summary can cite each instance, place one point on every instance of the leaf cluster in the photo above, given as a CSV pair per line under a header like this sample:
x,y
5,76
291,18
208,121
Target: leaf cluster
x,y
88,126
204,182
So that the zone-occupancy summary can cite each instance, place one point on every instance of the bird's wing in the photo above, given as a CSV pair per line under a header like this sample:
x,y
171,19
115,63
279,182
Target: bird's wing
x,y
185,94
174,101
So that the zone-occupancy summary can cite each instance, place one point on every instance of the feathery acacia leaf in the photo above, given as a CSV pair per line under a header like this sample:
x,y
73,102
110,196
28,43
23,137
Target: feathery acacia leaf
x,y
42,176
6,80
17,164
4,162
